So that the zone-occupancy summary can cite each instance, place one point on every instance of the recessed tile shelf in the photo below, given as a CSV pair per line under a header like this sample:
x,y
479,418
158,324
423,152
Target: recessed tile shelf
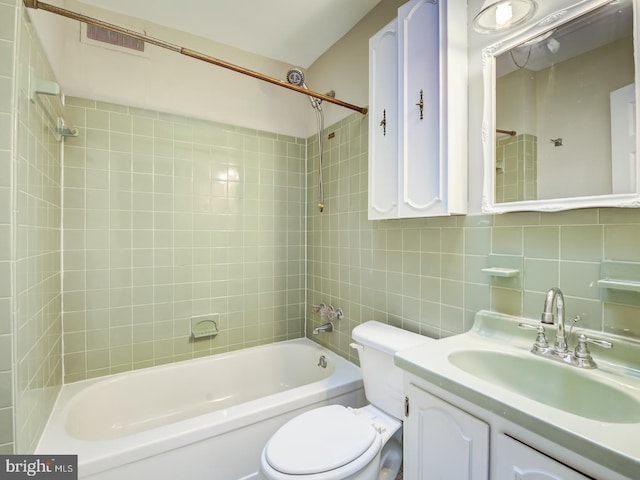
x,y
617,275
616,284
501,272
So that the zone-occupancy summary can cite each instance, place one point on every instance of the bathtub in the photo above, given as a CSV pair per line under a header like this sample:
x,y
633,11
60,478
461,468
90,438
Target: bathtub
x,y
200,419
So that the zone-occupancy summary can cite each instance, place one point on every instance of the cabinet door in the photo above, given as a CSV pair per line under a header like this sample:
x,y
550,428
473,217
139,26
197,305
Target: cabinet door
x,y
383,123
517,461
442,441
423,165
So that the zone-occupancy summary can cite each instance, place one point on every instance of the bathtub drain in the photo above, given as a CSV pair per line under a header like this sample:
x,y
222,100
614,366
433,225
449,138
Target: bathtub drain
x,y
322,362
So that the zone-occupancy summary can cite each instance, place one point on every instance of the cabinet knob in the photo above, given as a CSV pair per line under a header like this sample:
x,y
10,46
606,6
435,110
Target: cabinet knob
x,y
420,105
383,123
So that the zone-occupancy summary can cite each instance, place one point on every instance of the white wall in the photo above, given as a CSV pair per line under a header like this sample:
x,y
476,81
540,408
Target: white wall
x,y
515,103
345,66
168,81
584,126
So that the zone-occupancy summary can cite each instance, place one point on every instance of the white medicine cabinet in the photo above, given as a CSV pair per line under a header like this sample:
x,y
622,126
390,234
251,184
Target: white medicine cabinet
x,y
418,112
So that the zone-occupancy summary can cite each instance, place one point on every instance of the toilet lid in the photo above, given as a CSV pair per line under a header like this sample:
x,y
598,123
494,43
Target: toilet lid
x,y
319,440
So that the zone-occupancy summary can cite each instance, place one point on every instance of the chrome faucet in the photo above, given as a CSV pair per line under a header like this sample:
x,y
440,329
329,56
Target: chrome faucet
x,y
581,356
325,327
555,297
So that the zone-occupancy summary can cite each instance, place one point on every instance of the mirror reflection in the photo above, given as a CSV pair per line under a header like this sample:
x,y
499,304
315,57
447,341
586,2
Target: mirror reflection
x,y
565,110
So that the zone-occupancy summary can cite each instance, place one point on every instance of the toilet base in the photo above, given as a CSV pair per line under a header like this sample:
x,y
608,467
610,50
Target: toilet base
x,y
390,460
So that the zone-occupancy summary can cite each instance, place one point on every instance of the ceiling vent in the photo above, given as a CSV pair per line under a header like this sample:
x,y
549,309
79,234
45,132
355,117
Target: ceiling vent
x,y
104,37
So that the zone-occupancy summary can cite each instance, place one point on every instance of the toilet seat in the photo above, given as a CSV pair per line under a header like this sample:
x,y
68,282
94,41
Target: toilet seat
x,y
339,438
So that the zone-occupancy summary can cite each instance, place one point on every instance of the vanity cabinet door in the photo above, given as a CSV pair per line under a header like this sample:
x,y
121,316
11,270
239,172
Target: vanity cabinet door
x,y
517,461
442,441
383,123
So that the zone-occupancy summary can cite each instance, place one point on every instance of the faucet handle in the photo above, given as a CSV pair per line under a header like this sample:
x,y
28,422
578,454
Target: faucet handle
x,y
541,344
582,351
327,311
582,354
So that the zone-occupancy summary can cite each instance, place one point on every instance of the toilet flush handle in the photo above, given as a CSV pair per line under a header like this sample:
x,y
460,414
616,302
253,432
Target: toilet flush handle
x,y
356,346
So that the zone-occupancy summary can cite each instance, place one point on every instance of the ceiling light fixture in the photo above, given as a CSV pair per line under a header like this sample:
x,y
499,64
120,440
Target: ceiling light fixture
x,y
502,15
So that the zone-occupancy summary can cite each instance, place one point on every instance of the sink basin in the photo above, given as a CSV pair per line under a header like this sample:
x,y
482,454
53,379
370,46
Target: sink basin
x,y
557,385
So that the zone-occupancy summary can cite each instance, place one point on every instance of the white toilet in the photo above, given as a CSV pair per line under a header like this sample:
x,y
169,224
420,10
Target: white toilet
x,y
339,443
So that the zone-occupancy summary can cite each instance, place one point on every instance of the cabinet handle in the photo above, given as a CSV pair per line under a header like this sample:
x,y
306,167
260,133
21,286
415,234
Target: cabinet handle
x,y
406,406
420,104
383,123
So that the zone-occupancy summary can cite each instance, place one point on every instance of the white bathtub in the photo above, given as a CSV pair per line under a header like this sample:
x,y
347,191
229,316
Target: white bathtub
x,y
200,419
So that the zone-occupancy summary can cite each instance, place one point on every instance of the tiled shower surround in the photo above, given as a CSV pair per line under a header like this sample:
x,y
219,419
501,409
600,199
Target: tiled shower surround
x,y
30,240
166,218
516,168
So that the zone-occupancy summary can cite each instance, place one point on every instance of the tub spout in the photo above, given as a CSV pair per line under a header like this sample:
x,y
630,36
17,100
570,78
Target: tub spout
x,y
325,327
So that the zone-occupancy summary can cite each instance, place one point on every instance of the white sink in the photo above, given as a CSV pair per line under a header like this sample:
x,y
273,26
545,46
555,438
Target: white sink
x,y
566,387
592,412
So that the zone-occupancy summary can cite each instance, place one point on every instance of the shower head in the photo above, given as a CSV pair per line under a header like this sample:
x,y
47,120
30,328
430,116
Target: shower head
x,y
295,76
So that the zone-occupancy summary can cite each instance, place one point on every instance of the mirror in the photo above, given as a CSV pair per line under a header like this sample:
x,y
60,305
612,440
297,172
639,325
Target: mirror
x,y
559,127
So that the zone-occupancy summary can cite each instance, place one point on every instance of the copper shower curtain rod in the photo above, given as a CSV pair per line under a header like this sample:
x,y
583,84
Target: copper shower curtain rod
x,y
35,4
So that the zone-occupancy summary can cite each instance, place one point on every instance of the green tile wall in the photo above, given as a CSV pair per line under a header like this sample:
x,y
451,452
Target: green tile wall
x,y
7,62
516,172
425,275
166,218
30,191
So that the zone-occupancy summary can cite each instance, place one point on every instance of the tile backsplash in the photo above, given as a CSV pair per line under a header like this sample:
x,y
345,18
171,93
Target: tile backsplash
x,y
426,274
166,218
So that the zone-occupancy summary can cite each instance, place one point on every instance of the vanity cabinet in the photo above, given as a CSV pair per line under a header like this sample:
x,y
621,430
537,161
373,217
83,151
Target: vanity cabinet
x,y
417,112
517,461
447,437
442,441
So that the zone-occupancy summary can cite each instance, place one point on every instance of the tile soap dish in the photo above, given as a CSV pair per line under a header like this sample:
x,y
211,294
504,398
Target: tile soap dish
x,y
205,325
616,275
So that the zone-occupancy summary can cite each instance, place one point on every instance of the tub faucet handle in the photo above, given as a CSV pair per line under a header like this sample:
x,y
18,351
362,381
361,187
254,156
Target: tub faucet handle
x,y
327,311
318,308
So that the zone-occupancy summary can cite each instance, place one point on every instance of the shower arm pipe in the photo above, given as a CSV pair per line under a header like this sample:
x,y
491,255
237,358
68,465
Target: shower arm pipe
x,y
35,4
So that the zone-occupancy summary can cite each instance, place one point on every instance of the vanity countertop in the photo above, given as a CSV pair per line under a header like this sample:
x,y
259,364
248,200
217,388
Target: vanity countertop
x,y
611,442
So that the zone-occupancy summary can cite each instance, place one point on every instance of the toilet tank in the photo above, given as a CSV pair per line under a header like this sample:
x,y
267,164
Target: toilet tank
x,y
383,381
